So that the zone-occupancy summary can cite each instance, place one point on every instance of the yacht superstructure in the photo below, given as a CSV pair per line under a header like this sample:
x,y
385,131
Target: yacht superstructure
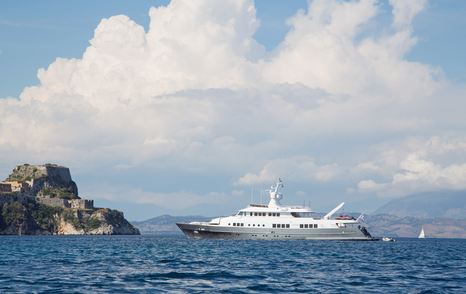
x,y
276,221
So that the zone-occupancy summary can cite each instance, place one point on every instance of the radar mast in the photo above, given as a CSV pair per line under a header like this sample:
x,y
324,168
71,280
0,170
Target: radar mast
x,y
275,196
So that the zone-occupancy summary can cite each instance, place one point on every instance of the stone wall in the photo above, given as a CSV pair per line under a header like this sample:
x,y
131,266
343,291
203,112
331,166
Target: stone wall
x,y
56,202
81,203
18,186
65,203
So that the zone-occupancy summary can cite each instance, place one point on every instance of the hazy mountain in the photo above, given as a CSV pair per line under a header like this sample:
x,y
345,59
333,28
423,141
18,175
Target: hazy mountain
x,y
390,225
166,223
443,204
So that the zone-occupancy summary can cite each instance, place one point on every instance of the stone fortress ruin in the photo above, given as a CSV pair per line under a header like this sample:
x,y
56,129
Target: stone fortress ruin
x,y
49,184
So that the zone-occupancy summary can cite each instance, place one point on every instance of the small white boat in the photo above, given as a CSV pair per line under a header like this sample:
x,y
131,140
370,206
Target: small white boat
x,y
422,235
388,239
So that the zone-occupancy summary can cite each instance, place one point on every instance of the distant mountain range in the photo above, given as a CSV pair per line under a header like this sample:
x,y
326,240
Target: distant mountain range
x,y
441,213
394,226
166,223
437,204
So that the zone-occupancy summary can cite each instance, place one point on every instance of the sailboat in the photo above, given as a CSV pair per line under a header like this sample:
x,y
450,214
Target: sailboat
x,y
422,235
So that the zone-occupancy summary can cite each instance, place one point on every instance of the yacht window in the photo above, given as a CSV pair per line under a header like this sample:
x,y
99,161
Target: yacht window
x,y
250,213
301,226
234,224
249,225
263,225
306,226
274,226
242,224
255,213
288,225
228,223
270,214
253,225
278,214
315,226
283,225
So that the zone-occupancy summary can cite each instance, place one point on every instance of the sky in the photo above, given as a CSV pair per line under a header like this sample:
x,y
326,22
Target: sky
x,y
197,107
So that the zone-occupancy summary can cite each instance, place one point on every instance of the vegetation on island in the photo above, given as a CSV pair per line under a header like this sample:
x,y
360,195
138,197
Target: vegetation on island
x,y
57,192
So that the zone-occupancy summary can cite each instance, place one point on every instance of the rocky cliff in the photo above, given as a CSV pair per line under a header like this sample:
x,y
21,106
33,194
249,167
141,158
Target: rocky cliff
x,y
43,200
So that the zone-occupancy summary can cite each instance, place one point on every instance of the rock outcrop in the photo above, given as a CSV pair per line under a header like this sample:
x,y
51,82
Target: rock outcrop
x,y
43,200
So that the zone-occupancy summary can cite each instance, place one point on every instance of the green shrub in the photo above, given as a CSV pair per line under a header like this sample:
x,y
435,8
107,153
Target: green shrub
x,y
61,193
13,213
44,215
92,223
70,217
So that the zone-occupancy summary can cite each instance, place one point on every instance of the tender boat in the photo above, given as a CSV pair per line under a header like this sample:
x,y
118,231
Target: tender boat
x,y
388,239
277,222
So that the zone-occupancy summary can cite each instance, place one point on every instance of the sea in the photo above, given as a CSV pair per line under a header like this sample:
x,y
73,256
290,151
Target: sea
x,y
175,264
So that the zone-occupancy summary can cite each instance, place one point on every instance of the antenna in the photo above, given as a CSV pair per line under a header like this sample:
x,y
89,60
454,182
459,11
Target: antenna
x,y
252,194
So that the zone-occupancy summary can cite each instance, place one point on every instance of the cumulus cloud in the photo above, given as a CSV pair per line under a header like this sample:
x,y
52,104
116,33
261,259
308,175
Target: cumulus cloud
x,y
432,164
298,168
197,92
405,11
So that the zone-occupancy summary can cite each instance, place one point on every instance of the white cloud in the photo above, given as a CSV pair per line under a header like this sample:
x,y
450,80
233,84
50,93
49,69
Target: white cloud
x,y
417,166
196,92
298,168
405,11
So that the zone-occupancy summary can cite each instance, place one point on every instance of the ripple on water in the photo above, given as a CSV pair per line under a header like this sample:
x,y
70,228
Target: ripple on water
x,y
174,264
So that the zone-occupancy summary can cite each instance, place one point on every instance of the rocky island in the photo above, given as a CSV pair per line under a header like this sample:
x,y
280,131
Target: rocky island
x,y
43,200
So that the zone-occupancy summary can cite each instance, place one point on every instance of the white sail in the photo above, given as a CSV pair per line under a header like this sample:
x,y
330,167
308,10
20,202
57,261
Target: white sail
x,y
422,235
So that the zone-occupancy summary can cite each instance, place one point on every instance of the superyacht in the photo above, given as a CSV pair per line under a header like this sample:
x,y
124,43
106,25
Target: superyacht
x,y
278,222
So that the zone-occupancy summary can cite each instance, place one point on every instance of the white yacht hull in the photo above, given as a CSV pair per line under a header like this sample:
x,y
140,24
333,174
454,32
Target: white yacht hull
x,y
206,231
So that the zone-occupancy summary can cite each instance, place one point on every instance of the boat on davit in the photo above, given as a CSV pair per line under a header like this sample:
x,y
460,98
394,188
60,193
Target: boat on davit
x,y
279,222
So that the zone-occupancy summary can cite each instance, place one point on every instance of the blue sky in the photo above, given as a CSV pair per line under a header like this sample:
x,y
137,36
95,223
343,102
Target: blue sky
x,y
354,100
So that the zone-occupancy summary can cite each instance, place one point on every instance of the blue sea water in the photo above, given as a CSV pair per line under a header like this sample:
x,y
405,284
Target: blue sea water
x,y
174,264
